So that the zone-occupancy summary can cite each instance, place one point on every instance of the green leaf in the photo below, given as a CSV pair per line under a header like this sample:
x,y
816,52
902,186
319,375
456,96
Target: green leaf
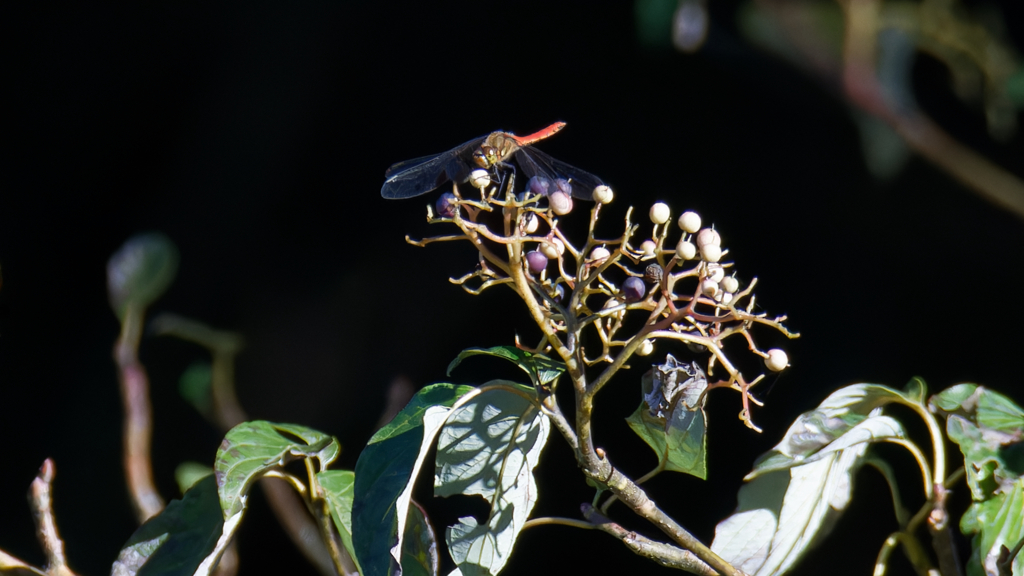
x,y
781,514
836,416
489,446
541,369
339,490
998,521
671,418
952,399
188,473
195,384
997,412
386,471
252,448
140,271
177,541
419,547
916,390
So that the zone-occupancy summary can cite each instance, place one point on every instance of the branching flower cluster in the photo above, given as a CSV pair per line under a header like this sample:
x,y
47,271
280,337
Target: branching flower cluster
x,y
674,277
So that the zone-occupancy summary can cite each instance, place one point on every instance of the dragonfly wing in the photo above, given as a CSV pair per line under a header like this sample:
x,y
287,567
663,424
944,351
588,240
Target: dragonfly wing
x,y
421,175
537,163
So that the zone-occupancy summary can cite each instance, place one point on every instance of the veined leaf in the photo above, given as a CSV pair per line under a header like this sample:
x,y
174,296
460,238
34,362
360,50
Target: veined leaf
x,y
385,473
489,446
834,417
252,448
671,418
542,370
791,503
419,547
998,521
176,541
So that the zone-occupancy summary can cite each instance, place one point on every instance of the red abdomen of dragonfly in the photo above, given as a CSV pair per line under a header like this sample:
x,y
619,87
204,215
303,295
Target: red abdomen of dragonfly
x,y
501,145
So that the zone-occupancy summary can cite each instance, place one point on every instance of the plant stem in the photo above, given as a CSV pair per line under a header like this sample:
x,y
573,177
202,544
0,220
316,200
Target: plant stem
x,y
46,525
138,418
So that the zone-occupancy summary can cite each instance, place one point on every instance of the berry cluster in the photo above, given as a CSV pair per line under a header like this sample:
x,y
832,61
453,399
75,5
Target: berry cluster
x,y
682,289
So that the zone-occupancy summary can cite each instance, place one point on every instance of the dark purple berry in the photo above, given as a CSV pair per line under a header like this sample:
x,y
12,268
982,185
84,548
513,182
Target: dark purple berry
x,y
633,289
446,205
536,261
564,185
538,185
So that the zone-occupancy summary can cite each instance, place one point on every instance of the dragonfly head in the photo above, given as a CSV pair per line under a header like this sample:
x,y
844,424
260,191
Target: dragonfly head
x,y
486,156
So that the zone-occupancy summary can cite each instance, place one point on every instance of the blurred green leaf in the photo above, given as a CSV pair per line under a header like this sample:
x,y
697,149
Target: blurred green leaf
x,y
489,447
178,540
195,384
386,471
252,448
188,473
140,271
654,22
541,369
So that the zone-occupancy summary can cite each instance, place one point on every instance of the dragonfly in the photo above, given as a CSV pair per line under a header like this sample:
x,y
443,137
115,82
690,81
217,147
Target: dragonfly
x,y
421,175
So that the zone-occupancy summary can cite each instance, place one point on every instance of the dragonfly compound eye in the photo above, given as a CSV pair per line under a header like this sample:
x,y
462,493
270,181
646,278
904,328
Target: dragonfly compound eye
x,y
485,156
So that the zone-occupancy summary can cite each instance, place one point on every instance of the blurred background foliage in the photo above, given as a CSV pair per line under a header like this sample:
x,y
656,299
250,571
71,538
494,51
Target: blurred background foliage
x,y
859,157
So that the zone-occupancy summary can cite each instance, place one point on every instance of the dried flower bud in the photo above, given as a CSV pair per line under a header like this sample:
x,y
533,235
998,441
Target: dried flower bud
x,y
480,178
603,194
686,250
689,221
709,288
653,273
710,253
560,202
708,237
730,284
777,360
660,213
648,247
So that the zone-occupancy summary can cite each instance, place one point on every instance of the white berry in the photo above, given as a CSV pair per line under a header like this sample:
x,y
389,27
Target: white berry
x,y
550,250
603,194
645,348
648,247
710,253
599,254
560,202
709,288
730,284
479,178
686,250
689,221
708,237
660,213
776,360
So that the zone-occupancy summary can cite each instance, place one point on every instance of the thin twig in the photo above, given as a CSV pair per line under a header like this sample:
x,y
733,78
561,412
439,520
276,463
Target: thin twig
x,y
41,499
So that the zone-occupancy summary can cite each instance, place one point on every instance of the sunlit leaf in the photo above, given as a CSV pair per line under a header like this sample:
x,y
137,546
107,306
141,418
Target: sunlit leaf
x,y
954,398
252,448
798,490
385,473
998,521
671,418
835,416
140,271
489,447
541,369
176,541
339,490
782,514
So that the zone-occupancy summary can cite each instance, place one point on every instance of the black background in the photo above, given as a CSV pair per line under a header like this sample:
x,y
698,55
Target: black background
x,y
255,135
